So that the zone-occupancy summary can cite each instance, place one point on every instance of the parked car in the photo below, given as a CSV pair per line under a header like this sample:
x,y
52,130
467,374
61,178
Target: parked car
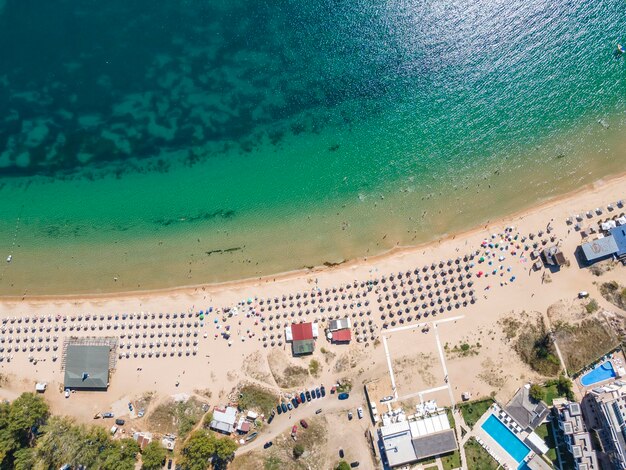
x,y
323,390
350,415
354,464
120,422
67,393
289,406
333,390
304,424
308,395
268,444
341,454
387,398
294,402
302,397
318,394
583,294
313,393
343,396
169,463
107,415
318,411
271,418
298,399
283,407
279,409
359,412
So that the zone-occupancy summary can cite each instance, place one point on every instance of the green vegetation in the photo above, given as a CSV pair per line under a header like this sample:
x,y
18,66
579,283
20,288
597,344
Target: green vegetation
x,y
298,450
176,417
473,410
537,392
536,349
452,460
253,397
463,349
584,342
592,306
63,442
345,386
614,293
203,447
544,431
17,421
273,463
152,456
342,465
561,387
477,457
293,376
314,368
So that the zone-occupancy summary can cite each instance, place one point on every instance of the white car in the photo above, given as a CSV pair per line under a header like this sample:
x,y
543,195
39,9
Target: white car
x,y
67,393
583,294
359,412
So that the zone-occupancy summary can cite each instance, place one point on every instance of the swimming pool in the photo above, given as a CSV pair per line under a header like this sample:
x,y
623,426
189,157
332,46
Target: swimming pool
x,y
600,373
505,438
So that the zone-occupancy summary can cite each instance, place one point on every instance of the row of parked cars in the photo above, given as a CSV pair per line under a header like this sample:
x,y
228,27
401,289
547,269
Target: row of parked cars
x,y
300,398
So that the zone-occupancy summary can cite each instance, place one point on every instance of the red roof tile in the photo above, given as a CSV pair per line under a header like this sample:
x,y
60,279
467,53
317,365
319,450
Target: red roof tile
x,y
301,331
342,335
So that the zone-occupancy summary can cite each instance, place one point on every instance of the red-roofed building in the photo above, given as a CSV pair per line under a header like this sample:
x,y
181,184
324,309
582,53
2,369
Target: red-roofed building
x,y
301,331
342,336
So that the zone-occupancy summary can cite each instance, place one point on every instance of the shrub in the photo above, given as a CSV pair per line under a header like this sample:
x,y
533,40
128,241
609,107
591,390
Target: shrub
x,y
298,450
536,392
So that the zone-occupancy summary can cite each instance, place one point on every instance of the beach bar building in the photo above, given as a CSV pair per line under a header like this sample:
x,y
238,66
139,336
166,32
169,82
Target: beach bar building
x,y
600,249
405,442
87,367
302,337
224,420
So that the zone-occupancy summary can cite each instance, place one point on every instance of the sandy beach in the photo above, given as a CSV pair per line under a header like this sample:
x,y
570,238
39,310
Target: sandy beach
x,y
375,292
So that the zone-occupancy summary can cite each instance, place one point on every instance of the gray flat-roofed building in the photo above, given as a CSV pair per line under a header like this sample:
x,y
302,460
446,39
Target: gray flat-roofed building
x,y
87,367
528,413
600,248
438,443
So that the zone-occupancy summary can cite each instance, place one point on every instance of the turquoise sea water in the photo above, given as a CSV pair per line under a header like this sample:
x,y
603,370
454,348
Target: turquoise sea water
x,y
151,144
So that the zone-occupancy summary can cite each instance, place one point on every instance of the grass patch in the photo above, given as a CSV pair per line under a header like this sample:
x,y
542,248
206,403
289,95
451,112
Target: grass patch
x,y
253,397
544,431
592,306
177,418
614,293
536,349
583,343
463,350
452,460
314,367
477,457
473,410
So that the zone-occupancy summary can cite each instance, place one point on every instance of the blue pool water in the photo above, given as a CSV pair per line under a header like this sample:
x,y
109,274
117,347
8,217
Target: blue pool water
x,y
505,437
600,373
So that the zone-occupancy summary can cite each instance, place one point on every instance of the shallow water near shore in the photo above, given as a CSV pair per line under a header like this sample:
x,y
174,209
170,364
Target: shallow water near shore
x,y
210,143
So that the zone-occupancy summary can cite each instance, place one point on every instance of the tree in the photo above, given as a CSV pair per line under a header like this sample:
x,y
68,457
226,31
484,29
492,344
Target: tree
x,y
197,451
24,459
298,450
564,387
225,448
536,392
120,455
152,456
206,422
342,465
27,412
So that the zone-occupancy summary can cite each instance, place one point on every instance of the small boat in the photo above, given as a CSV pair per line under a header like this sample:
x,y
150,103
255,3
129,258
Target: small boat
x,y
620,49
9,258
